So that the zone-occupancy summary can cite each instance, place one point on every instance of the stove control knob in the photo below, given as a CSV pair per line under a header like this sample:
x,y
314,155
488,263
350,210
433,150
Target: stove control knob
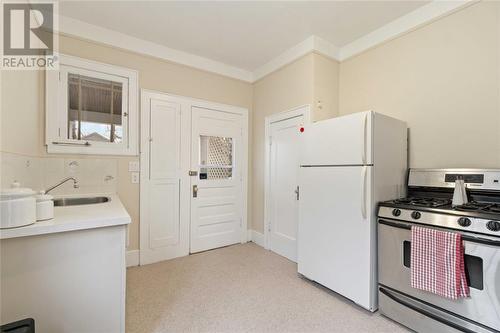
x,y
416,215
493,226
396,212
464,222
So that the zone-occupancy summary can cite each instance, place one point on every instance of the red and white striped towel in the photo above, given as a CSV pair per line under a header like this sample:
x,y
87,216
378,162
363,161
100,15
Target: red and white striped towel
x,y
437,262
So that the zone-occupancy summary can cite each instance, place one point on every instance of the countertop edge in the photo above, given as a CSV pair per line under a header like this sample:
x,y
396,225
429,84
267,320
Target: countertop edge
x,y
55,226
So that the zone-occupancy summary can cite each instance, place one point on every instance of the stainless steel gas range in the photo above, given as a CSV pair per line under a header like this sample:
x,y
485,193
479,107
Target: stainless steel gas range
x,y
429,204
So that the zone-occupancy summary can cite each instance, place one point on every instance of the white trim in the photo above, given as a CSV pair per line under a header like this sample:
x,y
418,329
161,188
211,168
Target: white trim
x,y
311,44
305,111
401,25
132,258
56,107
257,238
77,28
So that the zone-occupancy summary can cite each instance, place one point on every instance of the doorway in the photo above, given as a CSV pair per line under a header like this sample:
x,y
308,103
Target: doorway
x,y
216,161
194,157
282,191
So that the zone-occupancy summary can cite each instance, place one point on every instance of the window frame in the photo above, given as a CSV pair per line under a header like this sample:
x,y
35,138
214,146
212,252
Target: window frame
x,y
56,124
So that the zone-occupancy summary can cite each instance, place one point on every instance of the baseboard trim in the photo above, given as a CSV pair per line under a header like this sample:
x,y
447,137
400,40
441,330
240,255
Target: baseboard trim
x,y
257,237
132,258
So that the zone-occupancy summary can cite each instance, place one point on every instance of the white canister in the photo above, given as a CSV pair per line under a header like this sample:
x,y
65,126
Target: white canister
x,y
17,207
44,207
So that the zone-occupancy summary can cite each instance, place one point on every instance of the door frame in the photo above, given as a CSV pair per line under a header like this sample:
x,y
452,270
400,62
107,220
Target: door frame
x,y
303,110
188,103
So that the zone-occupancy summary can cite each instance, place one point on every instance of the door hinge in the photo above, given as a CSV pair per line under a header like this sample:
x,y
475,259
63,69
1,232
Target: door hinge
x,y
270,140
241,222
59,76
297,193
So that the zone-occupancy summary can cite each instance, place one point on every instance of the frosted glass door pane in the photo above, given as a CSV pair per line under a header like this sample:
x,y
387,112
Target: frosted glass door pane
x,y
216,157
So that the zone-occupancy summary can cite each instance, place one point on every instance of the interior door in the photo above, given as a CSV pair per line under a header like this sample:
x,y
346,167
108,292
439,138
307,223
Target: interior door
x,y
336,231
283,187
216,184
164,187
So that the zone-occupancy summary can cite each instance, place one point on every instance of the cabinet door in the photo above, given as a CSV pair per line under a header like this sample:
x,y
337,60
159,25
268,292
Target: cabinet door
x,y
164,201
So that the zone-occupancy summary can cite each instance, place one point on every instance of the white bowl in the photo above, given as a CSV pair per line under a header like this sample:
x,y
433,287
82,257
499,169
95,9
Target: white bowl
x,y
17,207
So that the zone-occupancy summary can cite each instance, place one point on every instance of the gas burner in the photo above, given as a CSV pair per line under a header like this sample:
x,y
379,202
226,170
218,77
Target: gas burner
x,y
423,202
403,200
495,208
473,206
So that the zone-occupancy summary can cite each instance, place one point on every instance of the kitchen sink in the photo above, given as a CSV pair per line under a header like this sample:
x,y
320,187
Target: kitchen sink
x,y
80,201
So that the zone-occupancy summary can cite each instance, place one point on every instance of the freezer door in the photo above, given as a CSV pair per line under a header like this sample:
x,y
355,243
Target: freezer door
x,y
336,240
345,140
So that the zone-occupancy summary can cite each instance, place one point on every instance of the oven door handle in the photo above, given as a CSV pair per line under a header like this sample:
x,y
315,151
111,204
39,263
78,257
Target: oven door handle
x,y
467,238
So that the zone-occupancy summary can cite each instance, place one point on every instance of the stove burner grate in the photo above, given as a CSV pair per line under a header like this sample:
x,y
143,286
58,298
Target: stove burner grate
x,y
494,208
479,206
423,202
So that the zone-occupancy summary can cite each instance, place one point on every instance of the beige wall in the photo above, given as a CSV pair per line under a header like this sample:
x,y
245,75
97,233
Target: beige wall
x,y
443,79
22,101
22,119
325,87
308,80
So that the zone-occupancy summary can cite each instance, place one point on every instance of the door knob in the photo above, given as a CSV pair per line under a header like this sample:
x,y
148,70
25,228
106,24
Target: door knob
x,y
195,191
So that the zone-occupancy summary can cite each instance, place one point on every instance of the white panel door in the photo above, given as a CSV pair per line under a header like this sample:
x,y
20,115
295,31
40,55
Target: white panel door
x,y
216,189
283,186
344,140
336,244
165,224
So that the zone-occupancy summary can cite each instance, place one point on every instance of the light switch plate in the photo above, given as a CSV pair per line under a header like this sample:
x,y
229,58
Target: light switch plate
x,y
133,166
134,177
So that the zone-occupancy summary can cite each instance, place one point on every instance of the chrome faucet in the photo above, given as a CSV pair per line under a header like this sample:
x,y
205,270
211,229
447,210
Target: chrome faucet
x,y
75,184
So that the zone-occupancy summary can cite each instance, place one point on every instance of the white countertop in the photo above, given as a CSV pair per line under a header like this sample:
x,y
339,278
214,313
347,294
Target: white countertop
x,y
71,218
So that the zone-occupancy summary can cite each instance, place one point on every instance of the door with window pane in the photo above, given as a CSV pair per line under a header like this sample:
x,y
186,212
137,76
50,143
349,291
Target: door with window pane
x,y
216,186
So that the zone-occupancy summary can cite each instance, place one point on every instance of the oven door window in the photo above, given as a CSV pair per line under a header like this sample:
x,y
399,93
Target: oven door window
x,y
473,267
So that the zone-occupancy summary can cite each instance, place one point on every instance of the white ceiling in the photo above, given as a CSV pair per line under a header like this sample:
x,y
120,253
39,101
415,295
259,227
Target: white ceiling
x,y
245,35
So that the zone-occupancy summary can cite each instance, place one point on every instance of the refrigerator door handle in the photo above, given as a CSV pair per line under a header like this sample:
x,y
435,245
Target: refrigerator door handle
x,y
363,192
363,153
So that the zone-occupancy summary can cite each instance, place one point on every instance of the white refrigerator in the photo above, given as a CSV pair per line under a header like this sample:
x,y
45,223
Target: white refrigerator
x,y
348,165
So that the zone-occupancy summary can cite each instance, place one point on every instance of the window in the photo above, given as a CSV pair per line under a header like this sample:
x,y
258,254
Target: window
x,y
91,108
216,157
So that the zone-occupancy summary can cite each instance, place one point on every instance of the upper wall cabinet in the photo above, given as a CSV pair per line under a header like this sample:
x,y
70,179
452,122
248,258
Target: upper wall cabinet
x,y
91,108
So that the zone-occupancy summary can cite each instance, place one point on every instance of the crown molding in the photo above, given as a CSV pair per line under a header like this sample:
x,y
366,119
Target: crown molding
x,y
404,24
391,30
311,44
83,30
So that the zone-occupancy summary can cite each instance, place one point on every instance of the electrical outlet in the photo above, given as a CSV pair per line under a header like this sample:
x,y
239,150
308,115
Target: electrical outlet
x,y
133,166
134,177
